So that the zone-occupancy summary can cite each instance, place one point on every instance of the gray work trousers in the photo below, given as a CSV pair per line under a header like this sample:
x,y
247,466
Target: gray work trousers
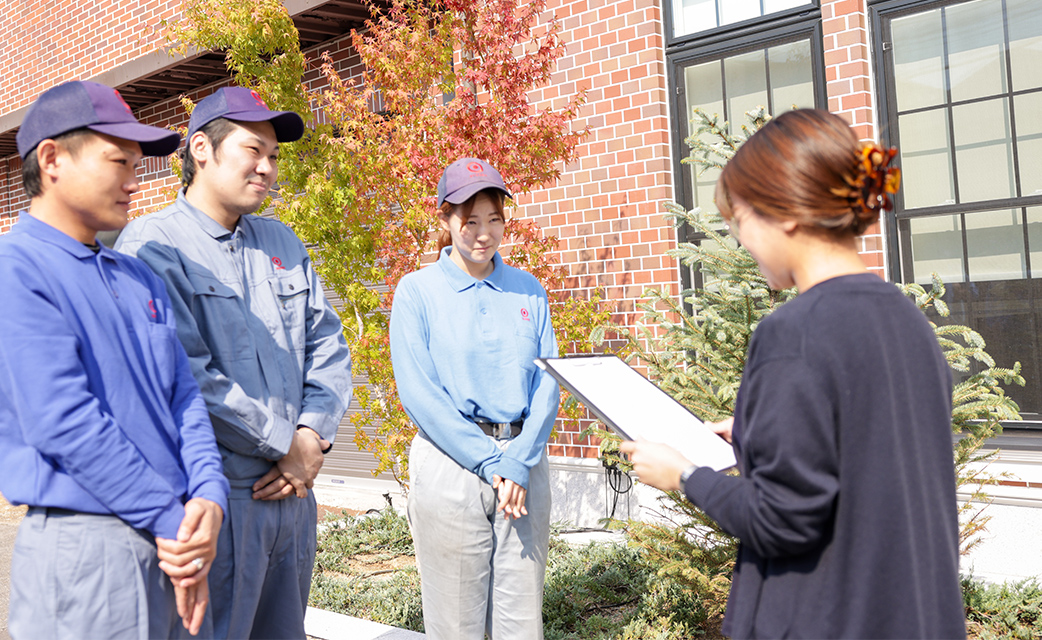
x,y
261,577
478,571
85,576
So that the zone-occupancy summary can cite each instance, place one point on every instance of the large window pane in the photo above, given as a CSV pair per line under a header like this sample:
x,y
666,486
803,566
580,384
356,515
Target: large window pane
x,y
925,160
738,10
732,86
1024,21
995,245
967,78
983,151
976,49
745,81
936,248
1028,108
692,16
792,80
704,88
919,60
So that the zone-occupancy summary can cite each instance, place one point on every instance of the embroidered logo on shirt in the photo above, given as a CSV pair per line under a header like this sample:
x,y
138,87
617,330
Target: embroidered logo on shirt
x,y
524,315
152,308
278,263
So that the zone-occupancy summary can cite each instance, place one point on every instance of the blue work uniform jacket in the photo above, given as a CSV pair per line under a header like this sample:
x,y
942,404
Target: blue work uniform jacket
x,y
264,343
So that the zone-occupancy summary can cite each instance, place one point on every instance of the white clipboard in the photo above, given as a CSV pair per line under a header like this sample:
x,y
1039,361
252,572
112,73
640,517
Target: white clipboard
x,y
634,407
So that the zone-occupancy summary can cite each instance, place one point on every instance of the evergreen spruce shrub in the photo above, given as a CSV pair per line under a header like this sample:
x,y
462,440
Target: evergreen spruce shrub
x,y
695,347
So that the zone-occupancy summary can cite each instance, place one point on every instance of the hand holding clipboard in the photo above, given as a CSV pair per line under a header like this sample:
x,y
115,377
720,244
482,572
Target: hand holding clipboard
x,y
635,408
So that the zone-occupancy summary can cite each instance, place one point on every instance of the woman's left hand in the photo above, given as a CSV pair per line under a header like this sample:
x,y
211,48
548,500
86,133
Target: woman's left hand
x,y
511,498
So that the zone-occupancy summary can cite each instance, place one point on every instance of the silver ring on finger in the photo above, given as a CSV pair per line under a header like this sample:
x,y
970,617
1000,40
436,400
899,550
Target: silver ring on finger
x,y
198,564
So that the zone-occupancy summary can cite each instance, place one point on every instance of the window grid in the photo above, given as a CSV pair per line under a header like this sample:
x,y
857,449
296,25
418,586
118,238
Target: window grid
x,y
988,295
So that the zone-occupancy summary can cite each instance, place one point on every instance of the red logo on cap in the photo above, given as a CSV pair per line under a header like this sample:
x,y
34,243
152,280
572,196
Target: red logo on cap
x,y
278,263
123,102
475,167
257,99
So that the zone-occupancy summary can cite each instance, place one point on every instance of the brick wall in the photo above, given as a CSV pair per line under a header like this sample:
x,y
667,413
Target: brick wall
x,y
606,210
58,40
848,74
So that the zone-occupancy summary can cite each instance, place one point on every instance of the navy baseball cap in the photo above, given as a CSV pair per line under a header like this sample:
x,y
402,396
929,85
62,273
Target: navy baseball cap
x,y
465,177
244,105
80,103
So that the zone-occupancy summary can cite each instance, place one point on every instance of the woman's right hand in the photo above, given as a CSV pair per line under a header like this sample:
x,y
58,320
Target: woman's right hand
x,y
722,428
511,497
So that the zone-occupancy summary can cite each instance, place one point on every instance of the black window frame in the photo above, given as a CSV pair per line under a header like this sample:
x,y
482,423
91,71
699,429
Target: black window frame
x,y
741,29
754,35
881,15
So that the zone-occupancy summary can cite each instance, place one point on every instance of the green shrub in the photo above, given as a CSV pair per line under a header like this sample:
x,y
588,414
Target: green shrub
x,y
1003,611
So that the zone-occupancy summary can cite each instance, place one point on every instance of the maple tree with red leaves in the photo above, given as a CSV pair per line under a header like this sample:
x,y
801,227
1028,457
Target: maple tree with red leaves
x,y
441,80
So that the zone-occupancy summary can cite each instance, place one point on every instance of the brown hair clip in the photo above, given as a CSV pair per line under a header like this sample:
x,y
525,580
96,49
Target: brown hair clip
x,y
875,179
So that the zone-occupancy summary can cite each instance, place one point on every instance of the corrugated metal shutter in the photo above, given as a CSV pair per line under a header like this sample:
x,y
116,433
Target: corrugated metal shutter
x,y
345,459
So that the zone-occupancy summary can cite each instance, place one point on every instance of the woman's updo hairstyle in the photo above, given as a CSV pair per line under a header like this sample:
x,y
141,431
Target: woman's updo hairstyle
x,y
807,165
466,208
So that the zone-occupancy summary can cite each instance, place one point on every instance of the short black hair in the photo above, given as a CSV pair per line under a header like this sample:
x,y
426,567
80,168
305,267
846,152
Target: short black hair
x,y
216,130
71,141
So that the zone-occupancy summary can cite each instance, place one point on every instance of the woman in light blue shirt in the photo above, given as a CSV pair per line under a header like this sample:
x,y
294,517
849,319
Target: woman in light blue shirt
x,y
464,333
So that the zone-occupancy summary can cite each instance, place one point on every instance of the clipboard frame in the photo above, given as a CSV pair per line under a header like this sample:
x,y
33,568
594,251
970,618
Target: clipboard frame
x,y
546,364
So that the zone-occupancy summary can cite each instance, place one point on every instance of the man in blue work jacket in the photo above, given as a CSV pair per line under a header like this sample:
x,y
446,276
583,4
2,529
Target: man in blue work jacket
x,y
266,347
103,430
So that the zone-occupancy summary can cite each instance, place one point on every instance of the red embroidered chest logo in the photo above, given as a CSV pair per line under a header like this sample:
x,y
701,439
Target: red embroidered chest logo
x,y
152,308
277,262
524,315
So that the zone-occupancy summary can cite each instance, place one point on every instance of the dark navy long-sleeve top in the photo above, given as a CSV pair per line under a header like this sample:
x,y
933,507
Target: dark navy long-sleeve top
x,y
845,506
99,412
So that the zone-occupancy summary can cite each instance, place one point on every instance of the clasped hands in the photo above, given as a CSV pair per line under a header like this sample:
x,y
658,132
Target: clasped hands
x,y
295,472
196,545
511,497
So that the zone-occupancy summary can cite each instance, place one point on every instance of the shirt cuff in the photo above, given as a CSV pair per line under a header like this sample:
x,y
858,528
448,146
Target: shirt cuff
x,y
216,492
510,469
320,423
699,485
168,521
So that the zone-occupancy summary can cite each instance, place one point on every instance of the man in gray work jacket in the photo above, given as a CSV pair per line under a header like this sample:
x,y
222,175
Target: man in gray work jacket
x,y
266,348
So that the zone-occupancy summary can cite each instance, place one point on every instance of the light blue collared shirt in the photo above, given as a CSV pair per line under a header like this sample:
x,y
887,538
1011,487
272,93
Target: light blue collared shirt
x,y
462,349
265,344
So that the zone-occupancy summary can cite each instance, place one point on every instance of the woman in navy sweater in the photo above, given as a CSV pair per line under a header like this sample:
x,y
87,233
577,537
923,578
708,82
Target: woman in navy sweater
x,y
845,506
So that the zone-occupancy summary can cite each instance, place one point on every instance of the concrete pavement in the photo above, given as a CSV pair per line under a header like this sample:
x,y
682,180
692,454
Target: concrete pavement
x,y
7,534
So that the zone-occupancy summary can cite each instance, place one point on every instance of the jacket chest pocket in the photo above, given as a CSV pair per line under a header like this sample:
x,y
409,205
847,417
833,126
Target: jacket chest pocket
x,y
291,290
221,318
